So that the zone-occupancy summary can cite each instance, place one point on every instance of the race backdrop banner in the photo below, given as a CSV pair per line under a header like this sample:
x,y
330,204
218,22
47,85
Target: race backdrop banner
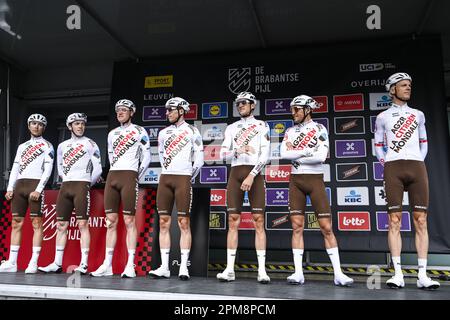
x,y
348,82
145,219
147,249
3,106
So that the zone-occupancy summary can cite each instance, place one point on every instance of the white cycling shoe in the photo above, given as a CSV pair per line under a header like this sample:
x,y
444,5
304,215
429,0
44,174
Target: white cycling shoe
x,y
102,271
7,266
226,276
396,282
159,273
427,283
296,278
343,280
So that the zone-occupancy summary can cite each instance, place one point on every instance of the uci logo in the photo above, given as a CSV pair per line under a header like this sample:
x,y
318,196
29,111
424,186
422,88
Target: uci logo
x,y
367,67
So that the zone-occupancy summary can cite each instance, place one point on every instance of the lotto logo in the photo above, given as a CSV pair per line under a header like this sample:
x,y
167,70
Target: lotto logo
x,y
278,173
354,221
218,197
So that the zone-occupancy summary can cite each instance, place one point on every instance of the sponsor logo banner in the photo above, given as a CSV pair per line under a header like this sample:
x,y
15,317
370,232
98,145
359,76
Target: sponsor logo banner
x,y
278,173
153,132
154,154
217,220
378,171
153,113
379,101
351,171
213,174
214,110
211,153
349,102
275,151
383,221
326,172
256,112
353,221
214,131
349,125
279,127
192,114
323,104
278,221
151,176
324,122
278,106
246,221
165,81
356,196
311,222
277,196
218,197
350,148
327,191
380,197
373,119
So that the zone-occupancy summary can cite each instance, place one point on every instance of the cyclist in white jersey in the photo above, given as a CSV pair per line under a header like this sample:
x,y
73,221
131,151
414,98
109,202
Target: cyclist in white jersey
x,y
79,165
179,144
129,156
31,170
307,145
401,146
247,145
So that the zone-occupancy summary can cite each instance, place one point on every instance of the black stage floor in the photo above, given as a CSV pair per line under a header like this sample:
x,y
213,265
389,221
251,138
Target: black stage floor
x,y
317,287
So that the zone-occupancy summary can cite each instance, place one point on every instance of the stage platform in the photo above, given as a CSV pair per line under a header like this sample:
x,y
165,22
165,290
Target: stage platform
x,y
317,287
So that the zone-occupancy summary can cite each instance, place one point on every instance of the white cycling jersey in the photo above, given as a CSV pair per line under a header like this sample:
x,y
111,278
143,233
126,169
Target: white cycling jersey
x,y
178,146
307,146
78,159
34,160
247,132
400,134
127,146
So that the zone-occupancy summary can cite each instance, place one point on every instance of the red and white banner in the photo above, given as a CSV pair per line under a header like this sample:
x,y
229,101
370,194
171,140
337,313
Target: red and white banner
x,y
97,226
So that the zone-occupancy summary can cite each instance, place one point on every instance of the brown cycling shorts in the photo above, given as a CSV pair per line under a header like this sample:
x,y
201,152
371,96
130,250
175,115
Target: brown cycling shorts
x,y
21,200
235,196
406,175
174,187
73,194
301,185
121,185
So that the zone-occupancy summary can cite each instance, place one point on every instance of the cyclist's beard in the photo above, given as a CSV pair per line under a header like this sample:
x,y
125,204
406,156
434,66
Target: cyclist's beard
x,y
248,114
401,99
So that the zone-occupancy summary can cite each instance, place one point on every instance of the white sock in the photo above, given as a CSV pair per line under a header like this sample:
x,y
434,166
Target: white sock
x,y
165,253
231,257
131,253
108,256
397,266
261,254
13,252
184,257
298,259
333,253
59,253
422,263
84,255
35,256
